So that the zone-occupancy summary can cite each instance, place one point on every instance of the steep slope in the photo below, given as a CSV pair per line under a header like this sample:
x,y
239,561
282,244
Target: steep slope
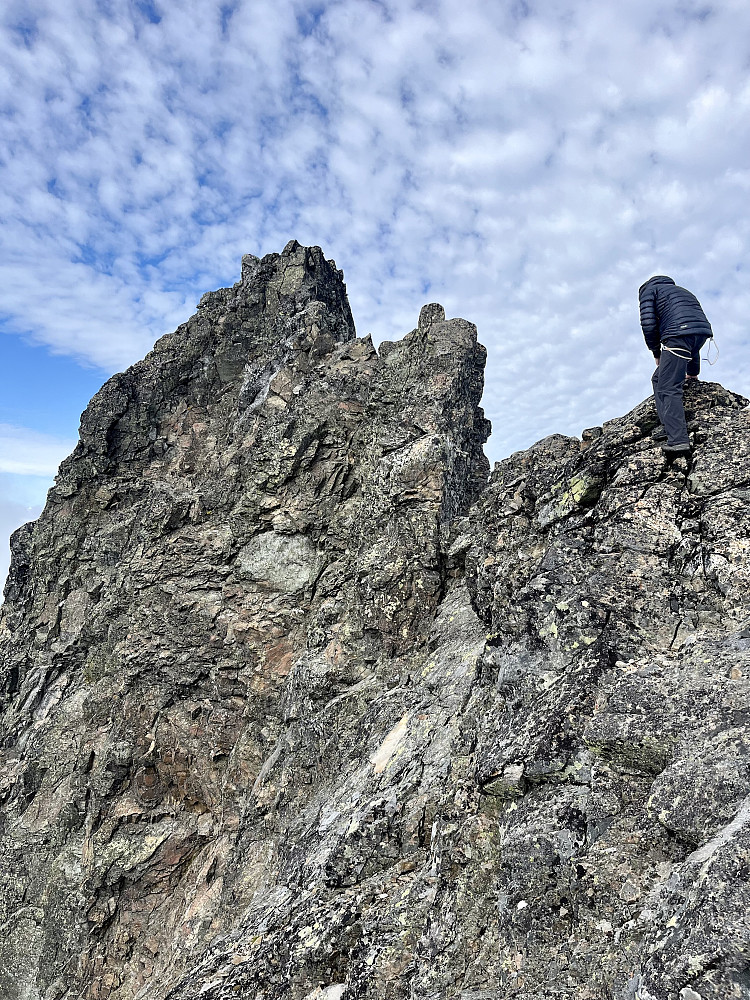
x,y
616,590
297,705
231,564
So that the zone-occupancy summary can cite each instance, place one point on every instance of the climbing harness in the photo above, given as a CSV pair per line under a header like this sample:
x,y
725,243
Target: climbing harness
x,y
685,355
680,352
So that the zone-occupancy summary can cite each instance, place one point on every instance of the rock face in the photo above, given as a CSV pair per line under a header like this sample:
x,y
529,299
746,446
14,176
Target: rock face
x,y
297,704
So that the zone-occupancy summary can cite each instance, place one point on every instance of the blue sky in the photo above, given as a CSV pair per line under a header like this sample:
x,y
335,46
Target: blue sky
x,y
526,164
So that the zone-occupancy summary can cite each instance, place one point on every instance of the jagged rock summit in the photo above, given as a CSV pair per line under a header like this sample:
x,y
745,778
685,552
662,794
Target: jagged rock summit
x,y
297,704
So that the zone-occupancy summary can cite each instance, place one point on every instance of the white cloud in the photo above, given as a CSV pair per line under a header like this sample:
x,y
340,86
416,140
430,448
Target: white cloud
x,y
527,165
24,452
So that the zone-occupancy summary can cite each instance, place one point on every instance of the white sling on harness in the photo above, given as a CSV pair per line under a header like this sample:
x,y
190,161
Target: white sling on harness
x,y
686,355
680,352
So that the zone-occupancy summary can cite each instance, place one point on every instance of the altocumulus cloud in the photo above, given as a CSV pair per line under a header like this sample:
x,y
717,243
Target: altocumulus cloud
x,y
527,164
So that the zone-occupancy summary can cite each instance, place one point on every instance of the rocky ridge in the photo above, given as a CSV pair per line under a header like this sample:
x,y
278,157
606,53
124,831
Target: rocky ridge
x,y
298,703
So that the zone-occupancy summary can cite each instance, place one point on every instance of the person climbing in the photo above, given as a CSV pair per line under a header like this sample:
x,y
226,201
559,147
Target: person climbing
x,y
675,329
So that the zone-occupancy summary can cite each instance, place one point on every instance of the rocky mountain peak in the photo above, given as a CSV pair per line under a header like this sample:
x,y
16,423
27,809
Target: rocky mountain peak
x,y
298,702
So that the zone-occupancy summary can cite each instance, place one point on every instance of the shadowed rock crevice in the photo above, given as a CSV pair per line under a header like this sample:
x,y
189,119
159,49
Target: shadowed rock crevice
x,y
298,702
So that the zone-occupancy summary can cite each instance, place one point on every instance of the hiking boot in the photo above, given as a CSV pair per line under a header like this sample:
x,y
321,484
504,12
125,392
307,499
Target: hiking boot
x,y
676,451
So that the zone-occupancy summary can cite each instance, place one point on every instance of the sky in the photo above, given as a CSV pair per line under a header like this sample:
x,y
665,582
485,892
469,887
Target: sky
x,y
527,164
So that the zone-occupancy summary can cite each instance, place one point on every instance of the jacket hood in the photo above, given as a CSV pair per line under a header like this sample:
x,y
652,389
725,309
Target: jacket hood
x,y
658,279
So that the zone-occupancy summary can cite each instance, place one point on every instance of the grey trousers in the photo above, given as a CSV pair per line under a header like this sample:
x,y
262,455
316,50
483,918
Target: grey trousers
x,y
668,380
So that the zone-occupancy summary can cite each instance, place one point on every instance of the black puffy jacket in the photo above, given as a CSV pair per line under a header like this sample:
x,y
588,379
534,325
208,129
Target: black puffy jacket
x,y
669,311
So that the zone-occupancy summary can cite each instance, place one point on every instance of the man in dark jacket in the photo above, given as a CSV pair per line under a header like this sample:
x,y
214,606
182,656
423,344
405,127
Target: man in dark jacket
x,y
675,329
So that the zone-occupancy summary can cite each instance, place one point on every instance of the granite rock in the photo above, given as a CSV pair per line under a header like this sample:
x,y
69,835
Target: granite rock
x,y
299,702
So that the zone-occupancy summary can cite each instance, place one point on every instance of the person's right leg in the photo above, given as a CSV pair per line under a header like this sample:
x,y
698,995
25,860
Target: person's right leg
x,y
669,379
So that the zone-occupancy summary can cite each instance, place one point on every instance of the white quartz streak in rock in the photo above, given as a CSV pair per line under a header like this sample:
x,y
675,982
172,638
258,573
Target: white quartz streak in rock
x,y
389,744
